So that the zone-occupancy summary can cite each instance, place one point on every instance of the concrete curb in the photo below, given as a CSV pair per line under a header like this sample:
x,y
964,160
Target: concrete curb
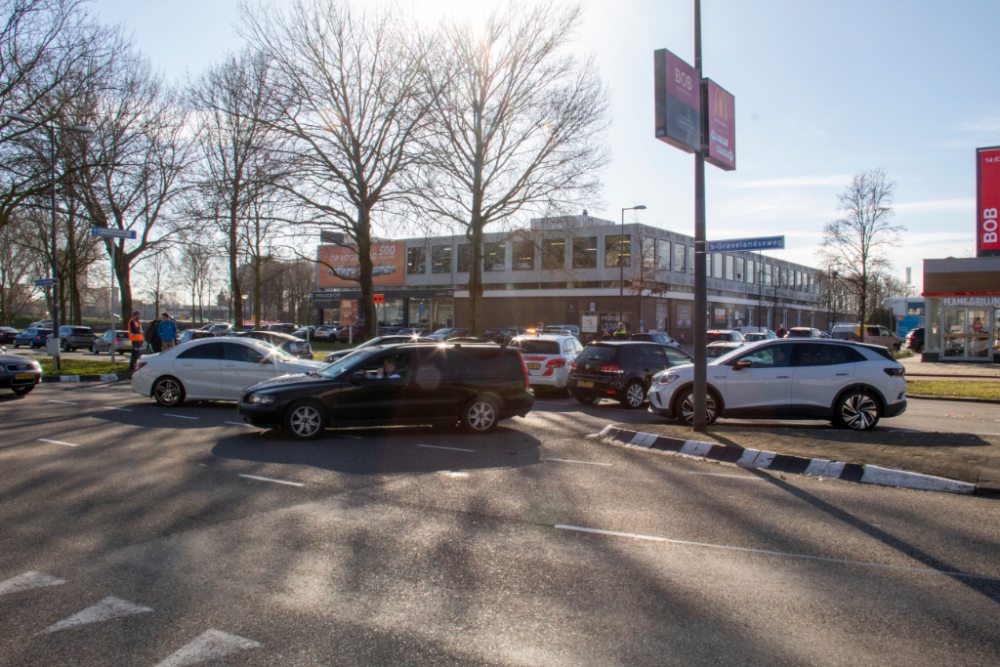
x,y
784,463
107,377
961,399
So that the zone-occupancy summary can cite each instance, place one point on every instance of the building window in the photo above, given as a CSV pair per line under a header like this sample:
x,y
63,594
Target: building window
x,y
553,254
464,257
648,254
740,276
784,278
416,260
680,257
441,259
585,252
524,256
494,256
751,271
617,247
716,265
767,275
663,255
690,259
730,272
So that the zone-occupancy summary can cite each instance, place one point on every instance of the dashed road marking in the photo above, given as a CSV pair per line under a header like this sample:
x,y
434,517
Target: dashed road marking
x,y
107,609
272,480
63,402
28,581
58,442
719,474
454,449
168,414
210,645
119,409
590,463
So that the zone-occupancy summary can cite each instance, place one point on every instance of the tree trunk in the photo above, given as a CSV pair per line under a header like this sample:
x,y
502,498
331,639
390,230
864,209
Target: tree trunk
x,y
124,274
234,277
368,313
256,290
476,277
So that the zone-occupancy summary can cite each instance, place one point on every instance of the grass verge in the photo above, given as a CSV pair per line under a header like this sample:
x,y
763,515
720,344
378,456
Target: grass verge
x,y
81,367
989,390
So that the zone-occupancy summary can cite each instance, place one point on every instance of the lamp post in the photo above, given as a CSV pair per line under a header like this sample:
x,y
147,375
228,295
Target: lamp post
x,y
51,127
833,298
621,263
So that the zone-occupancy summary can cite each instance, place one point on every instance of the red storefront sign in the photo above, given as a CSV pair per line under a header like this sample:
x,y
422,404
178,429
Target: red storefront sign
x,y
677,108
988,202
720,123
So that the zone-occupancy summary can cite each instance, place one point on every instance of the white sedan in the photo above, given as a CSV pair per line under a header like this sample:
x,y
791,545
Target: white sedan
x,y
215,369
548,357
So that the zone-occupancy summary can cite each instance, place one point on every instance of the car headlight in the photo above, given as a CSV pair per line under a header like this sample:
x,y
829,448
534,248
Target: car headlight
x,y
261,399
663,379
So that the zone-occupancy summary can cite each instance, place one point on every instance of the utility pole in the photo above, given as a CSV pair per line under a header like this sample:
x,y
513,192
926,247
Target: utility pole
x,y
700,283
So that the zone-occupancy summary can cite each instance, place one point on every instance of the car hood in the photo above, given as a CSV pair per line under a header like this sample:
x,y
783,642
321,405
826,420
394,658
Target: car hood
x,y
293,367
286,381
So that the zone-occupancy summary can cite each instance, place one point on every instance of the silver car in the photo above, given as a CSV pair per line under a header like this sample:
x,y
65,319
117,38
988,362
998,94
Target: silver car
x,y
104,342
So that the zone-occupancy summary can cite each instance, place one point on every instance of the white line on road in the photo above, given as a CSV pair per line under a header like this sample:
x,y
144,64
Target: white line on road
x,y
590,463
63,402
210,645
272,480
167,414
454,473
58,442
766,552
239,424
719,474
119,409
27,581
454,449
107,609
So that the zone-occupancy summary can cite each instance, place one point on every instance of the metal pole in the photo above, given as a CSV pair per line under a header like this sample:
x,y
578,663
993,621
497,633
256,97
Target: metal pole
x,y
55,266
621,273
700,294
114,331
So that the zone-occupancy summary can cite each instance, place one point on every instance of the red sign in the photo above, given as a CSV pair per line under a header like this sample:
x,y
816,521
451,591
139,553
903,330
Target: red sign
x,y
677,92
720,123
987,201
378,298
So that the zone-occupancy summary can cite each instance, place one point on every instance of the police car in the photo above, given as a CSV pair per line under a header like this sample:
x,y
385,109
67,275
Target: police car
x,y
547,357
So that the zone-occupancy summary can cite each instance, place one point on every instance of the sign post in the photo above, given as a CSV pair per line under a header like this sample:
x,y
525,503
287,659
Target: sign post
x,y
104,232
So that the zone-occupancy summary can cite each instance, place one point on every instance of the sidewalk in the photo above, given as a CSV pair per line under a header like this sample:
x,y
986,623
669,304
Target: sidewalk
x,y
953,370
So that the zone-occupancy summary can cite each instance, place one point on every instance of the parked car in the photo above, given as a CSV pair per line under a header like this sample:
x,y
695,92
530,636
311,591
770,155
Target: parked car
x,y
355,332
803,332
379,341
42,324
874,335
219,329
19,374
755,336
661,337
189,335
505,336
413,331
304,333
622,370
851,385
280,327
548,357
915,340
723,335
71,338
32,337
111,337
216,369
448,333
325,332
296,347
719,348
7,335
477,385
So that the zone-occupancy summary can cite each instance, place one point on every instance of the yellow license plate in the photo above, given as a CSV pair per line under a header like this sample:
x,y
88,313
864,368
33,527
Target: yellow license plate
x,y
24,376
534,367
585,384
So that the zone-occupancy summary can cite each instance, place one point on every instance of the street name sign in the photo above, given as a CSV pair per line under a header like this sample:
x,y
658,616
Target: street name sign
x,y
761,243
44,282
104,232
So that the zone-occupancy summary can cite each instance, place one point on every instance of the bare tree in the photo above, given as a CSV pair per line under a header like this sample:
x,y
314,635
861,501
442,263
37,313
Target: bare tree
x,y
352,100
857,243
158,272
518,120
18,267
196,270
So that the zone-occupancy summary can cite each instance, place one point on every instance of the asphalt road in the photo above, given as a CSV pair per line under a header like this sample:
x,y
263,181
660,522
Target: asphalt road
x,y
181,537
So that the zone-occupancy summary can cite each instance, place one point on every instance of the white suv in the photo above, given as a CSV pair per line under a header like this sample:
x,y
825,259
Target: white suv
x,y
849,384
548,357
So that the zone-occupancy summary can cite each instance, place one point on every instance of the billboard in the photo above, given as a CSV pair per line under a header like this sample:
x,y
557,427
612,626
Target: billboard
x,y
987,202
720,123
339,265
677,107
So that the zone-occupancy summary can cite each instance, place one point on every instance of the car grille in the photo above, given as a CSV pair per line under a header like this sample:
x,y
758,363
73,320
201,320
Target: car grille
x,y
19,367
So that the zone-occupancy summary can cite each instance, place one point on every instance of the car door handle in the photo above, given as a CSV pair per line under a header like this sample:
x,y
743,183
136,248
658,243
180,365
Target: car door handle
x,y
783,377
842,374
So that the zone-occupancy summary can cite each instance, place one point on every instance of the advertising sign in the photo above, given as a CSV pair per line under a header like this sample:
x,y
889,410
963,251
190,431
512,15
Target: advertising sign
x,y
760,243
720,123
678,102
339,266
588,324
987,202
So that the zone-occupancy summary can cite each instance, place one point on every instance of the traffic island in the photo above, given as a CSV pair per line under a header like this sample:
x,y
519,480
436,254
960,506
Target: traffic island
x,y
952,462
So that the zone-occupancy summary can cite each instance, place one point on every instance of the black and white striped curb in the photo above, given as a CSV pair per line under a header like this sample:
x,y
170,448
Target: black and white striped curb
x,y
107,377
774,462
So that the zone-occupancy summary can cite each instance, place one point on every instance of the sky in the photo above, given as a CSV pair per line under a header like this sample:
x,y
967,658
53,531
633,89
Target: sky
x,y
824,90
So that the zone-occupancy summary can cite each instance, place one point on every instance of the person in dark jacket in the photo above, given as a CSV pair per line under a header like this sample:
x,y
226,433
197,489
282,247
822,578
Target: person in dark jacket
x,y
153,336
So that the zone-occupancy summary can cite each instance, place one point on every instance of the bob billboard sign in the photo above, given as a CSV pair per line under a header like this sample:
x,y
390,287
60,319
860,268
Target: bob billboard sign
x,y
339,265
678,102
720,123
988,202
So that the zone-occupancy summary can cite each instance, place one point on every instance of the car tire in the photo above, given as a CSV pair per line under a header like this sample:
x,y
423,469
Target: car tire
x,y
633,396
857,410
684,406
586,400
168,391
304,420
23,391
481,414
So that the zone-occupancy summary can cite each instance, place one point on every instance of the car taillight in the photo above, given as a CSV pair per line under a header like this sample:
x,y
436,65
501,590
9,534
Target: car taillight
x,y
572,364
119,340
611,369
556,363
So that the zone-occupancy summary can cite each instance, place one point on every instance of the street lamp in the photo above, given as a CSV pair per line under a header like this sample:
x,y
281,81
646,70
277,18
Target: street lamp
x,y
51,127
621,263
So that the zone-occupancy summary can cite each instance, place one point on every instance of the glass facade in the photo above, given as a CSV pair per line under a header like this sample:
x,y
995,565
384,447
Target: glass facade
x,y
553,254
617,247
585,252
441,259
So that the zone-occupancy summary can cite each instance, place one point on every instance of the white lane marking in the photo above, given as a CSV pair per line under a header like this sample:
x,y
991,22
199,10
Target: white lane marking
x,y
210,645
454,449
719,474
107,609
454,473
272,480
344,435
63,402
767,552
27,581
590,463
167,414
119,409
58,442
239,424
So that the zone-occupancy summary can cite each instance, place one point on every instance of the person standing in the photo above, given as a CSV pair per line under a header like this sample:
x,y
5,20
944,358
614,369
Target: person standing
x,y
135,337
621,333
152,337
167,329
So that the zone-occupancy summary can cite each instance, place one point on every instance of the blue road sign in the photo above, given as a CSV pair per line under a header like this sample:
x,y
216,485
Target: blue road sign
x,y
761,243
44,282
112,233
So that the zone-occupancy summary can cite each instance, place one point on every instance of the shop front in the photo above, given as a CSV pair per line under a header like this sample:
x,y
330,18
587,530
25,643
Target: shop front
x,y
962,310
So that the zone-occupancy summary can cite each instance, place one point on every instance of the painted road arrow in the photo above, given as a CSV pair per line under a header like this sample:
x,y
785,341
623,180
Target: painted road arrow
x,y
107,609
210,645
27,581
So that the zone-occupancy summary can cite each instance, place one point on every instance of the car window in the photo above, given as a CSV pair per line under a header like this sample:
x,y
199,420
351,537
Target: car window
x,y
207,351
654,356
532,346
884,331
242,353
599,353
818,355
771,356
675,356
642,337
491,362
374,366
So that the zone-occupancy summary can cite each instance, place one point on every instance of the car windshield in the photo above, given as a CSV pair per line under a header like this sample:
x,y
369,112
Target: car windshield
x,y
536,346
272,351
340,366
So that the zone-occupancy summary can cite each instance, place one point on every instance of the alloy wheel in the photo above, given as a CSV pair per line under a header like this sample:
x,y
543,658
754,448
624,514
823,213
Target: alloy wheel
x,y
859,412
168,392
635,395
305,421
481,416
687,408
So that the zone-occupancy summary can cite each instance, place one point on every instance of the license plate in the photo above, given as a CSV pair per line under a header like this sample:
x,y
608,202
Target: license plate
x,y
585,384
533,367
24,376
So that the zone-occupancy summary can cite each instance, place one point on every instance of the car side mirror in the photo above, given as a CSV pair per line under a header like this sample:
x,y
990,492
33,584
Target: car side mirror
x,y
358,376
741,364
